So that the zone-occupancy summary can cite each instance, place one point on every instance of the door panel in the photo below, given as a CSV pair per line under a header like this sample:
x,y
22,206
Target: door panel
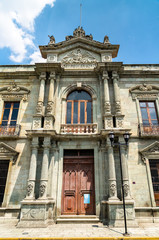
x,y
78,179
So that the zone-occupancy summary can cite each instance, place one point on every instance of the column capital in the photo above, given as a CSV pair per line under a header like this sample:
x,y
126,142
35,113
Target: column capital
x,y
42,76
115,75
105,75
52,75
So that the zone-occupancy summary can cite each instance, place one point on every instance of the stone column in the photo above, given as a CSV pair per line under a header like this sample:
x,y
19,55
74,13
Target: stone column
x,y
118,115
49,119
112,175
39,108
125,173
32,171
37,118
108,121
44,170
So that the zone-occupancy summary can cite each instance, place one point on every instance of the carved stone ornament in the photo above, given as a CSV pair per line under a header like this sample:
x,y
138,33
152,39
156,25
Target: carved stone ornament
x,y
107,107
117,107
42,189
106,40
126,190
49,107
30,188
112,189
150,152
8,152
119,122
14,92
108,122
106,58
39,108
144,91
79,32
48,122
78,59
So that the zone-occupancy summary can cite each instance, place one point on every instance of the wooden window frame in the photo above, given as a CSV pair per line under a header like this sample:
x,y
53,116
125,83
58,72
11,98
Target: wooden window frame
x,y
85,114
148,111
10,113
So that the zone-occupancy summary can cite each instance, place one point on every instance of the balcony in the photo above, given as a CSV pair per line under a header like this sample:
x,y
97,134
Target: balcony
x,y
79,128
149,130
8,131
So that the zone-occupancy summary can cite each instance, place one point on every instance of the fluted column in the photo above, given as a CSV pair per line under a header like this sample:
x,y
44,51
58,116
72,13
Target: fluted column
x,y
32,170
115,78
112,175
44,169
125,173
39,108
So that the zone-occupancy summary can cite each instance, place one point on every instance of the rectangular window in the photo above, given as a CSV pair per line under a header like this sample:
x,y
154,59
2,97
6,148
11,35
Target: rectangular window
x,y
154,167
149,114
10,113
4,164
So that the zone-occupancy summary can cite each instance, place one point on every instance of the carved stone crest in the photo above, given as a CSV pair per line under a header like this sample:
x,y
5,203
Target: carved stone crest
x,y
39,107
30,188
112,189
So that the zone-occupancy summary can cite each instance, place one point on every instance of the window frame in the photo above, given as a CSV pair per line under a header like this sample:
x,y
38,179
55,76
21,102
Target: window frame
x,y
10,113
78,110
149,119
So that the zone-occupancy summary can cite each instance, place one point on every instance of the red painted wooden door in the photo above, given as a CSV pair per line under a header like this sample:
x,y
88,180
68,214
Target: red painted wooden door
x,y
78,179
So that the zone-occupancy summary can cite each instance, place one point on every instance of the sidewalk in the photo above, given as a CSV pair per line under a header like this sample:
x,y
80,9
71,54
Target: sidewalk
x,y
9,230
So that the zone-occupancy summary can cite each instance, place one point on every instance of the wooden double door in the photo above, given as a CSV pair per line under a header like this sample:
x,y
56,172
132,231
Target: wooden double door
x,y
78,183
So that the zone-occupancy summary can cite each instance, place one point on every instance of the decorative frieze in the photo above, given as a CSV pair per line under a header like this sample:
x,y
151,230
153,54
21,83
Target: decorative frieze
x,y
144,92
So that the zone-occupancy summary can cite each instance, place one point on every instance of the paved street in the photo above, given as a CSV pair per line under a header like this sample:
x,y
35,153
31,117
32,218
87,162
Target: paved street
x,y
9,230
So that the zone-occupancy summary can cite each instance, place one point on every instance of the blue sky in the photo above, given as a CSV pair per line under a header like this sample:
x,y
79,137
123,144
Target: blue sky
x,y
133,24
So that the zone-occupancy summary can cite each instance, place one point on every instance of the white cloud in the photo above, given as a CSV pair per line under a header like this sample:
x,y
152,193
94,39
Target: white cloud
x,y
36,57
17,26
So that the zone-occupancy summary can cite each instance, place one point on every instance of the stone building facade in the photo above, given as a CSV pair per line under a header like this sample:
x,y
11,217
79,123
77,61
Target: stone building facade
x,y
56,160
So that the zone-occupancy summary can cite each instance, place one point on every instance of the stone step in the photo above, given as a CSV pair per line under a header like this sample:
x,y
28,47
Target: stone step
x,y
77,219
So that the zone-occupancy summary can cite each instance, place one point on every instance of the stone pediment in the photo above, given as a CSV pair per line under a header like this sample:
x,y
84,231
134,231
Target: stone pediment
x,y
13,91
151,150
144,91
8,152
78,58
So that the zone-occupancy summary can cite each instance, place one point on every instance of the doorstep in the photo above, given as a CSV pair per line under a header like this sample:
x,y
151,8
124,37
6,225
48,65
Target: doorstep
x,y
77,219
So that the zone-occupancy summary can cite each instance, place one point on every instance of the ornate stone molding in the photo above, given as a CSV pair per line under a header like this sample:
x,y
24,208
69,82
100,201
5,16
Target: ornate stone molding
x,y
79,32
8,152
144,91
78,59
39,108
150,152
42,189
14,92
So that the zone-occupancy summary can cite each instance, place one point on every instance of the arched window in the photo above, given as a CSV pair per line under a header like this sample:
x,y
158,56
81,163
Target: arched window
x,y
79,108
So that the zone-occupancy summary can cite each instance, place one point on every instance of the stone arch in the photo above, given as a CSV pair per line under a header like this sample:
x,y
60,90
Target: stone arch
x,y
78,86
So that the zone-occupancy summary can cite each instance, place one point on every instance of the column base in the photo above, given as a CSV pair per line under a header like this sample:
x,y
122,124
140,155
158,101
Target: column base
x,y
36,213
115,213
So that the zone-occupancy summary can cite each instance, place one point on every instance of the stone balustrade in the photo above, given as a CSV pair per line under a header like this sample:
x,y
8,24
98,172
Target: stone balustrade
x,y
79,128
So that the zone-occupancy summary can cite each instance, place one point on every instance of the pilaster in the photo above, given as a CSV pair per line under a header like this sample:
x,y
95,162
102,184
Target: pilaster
x,y
108,121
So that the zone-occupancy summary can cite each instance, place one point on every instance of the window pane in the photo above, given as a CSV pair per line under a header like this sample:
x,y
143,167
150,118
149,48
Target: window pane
x,y
69,107
75,113
7,105
13,123
153,113
79,95
89,112
154,122
144,113
6,114
146,123
82,112
151,104
14,114
142,104
16,105
4,123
